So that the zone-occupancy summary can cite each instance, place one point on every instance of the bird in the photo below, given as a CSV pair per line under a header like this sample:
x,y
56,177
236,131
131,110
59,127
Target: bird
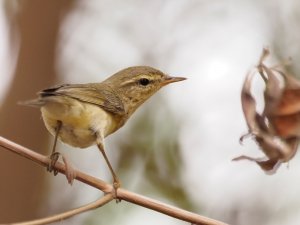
x,y
83,115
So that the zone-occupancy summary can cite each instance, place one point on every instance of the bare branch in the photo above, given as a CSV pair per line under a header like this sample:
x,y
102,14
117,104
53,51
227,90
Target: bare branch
x,y
59,217
108,189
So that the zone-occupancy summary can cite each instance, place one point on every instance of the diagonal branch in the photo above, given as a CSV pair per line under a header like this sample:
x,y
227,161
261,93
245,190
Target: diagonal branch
x,y
122,194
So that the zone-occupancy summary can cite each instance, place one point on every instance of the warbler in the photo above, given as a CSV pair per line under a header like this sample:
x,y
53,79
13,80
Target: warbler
x,y
82,115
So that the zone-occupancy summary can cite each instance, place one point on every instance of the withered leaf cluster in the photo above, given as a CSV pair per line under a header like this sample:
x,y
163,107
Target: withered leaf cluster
x,y
277,128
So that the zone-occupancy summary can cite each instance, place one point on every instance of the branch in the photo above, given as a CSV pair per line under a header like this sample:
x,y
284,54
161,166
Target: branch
x,y
59,217
122,194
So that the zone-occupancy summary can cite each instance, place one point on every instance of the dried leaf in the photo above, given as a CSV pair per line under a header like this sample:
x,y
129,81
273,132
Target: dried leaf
x,y
277,129
290,101
273,92
249,104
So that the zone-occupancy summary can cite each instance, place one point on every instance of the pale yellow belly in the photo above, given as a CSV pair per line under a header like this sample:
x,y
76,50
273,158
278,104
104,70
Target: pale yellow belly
x,y
82,123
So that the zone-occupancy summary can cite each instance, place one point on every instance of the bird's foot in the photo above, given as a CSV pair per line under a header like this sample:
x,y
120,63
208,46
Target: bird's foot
x,y
69,170
53,159
116,185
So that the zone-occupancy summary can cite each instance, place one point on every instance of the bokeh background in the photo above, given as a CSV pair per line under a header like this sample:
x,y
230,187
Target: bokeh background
x,y
178,147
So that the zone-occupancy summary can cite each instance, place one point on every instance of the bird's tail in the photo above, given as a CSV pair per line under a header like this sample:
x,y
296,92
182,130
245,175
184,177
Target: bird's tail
x,y
33,103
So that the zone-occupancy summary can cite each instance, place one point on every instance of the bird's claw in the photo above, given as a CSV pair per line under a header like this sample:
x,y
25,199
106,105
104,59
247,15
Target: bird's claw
x,y
116,185
53,159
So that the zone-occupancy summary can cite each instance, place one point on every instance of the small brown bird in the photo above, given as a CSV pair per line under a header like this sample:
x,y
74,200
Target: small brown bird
x,y
82,115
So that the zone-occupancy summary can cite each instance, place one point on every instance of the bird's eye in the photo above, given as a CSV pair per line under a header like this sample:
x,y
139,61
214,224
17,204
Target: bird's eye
x,y
144,81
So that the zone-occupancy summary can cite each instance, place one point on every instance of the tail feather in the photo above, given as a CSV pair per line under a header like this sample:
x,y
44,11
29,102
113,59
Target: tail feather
x,y
33,103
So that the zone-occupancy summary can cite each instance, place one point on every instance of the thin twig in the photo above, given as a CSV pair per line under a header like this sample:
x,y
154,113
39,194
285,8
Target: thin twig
x,y
108,189
59,217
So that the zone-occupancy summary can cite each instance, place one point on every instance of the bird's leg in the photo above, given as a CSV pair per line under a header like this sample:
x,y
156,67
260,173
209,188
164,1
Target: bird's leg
x,y
116,181
54,155
70,172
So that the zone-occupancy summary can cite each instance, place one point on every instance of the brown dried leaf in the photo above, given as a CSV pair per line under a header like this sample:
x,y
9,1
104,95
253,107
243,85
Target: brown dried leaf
x,y
273,92
266,164
290,101
249,104
277,130
287,125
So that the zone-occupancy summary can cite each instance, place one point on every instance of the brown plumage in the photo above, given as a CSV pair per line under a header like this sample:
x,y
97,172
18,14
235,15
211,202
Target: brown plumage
x,y
82,115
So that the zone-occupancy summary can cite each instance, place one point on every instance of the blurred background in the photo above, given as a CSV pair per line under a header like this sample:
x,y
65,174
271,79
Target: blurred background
x,y
178,147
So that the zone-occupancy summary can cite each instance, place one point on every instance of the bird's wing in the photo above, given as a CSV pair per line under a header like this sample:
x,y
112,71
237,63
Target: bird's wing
x,y
102,96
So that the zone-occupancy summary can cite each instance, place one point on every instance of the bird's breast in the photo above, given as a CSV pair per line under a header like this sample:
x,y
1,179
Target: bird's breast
x,y
82,123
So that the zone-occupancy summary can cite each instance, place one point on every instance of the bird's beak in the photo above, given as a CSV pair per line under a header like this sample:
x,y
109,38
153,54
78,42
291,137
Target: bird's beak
x,y
169,79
